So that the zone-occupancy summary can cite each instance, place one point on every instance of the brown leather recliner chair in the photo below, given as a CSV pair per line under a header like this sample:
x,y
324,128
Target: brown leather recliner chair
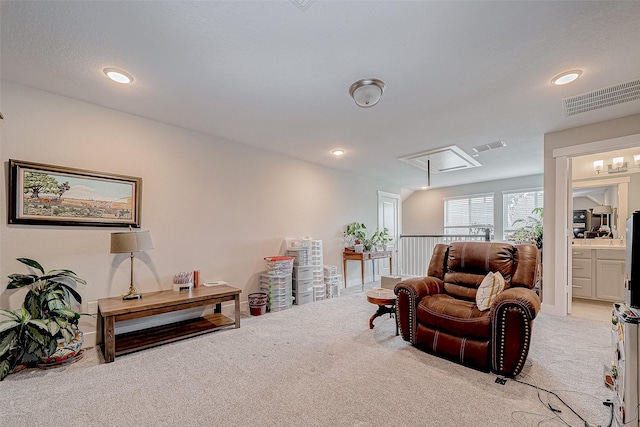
x,y
438,313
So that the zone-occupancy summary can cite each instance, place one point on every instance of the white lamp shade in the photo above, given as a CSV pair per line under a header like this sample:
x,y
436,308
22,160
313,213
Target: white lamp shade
x,y
131,241
602,210
636,159
598,165
618,162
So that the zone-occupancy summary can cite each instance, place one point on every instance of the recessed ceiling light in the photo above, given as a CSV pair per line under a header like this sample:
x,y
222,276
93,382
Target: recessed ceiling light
x,y
118,75
338,152
424,188
566,77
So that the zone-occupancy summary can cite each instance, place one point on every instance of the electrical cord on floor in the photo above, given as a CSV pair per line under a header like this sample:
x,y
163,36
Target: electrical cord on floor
x,y
557,411
538,388
553,393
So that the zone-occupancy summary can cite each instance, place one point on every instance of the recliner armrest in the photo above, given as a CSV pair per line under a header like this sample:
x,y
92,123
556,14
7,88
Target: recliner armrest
x,y
410,292
512,314
523,297
420,287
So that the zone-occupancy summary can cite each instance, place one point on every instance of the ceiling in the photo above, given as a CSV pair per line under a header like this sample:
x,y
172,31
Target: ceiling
x,y
276,76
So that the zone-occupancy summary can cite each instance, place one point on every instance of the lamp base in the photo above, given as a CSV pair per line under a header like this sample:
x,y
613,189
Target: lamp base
x,y
132,294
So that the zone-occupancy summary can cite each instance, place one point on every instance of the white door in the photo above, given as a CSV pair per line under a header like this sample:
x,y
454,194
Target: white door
x,y
389,217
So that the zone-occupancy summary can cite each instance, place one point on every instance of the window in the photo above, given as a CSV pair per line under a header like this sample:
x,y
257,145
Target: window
x,y
518,209
469,214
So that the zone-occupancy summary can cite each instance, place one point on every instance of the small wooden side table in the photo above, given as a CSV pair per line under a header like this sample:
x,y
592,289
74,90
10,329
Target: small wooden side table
x,y
385,299
349,255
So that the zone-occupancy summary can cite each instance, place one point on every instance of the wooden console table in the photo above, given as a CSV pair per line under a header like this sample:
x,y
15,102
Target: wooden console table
x,y
362,257
112,310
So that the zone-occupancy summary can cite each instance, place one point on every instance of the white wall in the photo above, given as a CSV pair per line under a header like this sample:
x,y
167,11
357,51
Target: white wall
x,y
211,204
553,285
423,211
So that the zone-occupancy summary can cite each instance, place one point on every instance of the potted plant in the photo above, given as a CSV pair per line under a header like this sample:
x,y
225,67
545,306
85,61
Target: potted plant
x,y
531,230
22,336
45,327
355,234
381,238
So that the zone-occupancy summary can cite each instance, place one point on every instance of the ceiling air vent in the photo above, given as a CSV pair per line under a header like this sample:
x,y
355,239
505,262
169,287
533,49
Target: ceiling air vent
x,y
490,146
445,159
601,98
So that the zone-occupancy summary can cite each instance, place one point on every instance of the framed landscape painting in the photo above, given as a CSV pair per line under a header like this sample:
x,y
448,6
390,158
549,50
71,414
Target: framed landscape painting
x,y
57,195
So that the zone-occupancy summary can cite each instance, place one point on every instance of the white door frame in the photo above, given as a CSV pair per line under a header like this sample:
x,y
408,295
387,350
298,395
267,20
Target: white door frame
x,y
398,215
562,243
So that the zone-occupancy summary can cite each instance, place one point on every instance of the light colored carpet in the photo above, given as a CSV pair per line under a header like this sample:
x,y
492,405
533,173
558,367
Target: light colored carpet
x,y
315,365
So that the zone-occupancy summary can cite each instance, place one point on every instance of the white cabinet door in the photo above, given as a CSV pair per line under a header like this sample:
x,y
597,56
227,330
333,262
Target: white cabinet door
x,y
610,279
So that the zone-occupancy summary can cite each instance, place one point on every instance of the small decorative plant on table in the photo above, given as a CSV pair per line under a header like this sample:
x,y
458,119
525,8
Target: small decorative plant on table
x,y
45,328
355,234
381,238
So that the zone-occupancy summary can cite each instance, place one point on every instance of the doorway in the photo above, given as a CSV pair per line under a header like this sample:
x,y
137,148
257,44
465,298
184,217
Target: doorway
x,y
561,273
390,217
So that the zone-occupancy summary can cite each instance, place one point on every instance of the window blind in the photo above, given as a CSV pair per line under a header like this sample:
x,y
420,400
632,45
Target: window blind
x,y
469,214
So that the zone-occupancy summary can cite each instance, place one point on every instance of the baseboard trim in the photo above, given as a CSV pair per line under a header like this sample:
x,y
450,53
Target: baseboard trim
x,y
89,339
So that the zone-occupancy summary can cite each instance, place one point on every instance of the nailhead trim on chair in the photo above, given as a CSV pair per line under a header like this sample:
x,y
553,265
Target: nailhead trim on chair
x,y
527,335
411,297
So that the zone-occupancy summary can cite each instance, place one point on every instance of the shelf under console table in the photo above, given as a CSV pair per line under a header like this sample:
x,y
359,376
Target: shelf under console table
x,y
112,310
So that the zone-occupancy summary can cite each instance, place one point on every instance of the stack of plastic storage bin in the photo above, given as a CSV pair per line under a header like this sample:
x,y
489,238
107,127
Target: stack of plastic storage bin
x,y
302,273
301,255
319,290
276,282
332,281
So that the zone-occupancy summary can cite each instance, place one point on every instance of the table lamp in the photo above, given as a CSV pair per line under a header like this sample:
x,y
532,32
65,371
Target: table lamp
x,y
603,210
131,241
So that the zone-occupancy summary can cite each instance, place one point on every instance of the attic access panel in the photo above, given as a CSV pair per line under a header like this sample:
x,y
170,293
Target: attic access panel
x,y
445,159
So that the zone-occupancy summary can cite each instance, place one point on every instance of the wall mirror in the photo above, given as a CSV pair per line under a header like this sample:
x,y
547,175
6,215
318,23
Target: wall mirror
x,y
600,207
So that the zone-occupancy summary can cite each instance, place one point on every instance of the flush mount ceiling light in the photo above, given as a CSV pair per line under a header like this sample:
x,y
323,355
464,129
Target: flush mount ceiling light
x,y
367,92
566,77
118,76
338,152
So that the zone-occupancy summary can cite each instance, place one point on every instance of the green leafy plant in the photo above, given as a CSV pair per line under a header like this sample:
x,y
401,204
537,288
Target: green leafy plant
x,y
381,238
45,316
355,233
20,336
531,230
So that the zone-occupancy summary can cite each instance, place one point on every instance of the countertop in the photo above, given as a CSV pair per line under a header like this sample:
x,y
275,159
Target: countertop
x,y
618,244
